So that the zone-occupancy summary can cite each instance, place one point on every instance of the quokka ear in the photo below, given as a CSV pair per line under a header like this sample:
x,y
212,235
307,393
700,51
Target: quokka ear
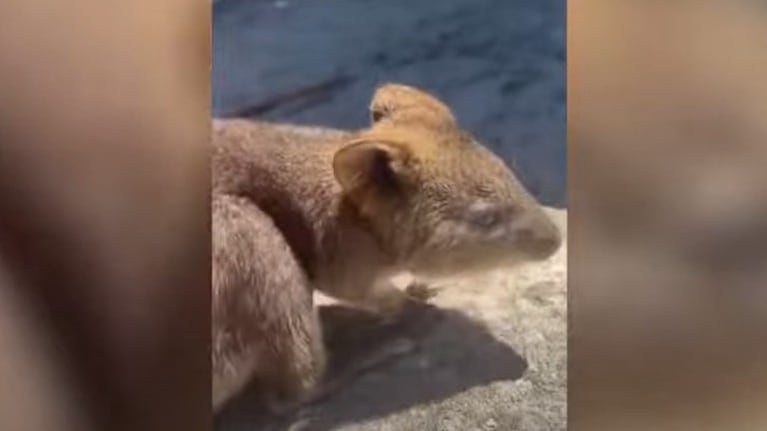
x,y
396,101
371,166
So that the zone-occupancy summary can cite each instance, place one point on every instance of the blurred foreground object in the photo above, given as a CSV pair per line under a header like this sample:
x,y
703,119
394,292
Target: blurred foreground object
x,y
104,219
668,203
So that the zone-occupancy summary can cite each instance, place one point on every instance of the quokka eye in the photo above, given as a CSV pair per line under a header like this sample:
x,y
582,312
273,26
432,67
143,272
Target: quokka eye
x,y
485,217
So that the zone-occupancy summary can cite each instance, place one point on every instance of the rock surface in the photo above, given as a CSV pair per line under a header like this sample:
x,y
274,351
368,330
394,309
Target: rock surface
x,y
491,355
500,64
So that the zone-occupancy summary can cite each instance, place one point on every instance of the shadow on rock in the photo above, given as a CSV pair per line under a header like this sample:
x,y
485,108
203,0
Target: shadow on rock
x,y
452,353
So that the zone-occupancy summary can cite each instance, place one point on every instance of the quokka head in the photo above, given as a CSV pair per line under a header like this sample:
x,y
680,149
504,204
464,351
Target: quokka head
x,y
437,200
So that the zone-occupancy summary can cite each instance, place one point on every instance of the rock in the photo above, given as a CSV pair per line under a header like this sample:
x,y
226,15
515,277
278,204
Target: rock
x,y
491,355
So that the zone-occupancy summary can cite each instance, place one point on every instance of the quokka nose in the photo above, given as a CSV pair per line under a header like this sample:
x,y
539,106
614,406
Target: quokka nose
x,y
538,235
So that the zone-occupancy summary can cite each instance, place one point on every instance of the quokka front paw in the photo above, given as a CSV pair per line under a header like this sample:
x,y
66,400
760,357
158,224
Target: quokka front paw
x,y
420,291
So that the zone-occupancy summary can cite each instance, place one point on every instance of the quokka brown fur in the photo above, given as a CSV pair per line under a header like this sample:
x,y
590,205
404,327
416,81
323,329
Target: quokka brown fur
x,y
296,210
